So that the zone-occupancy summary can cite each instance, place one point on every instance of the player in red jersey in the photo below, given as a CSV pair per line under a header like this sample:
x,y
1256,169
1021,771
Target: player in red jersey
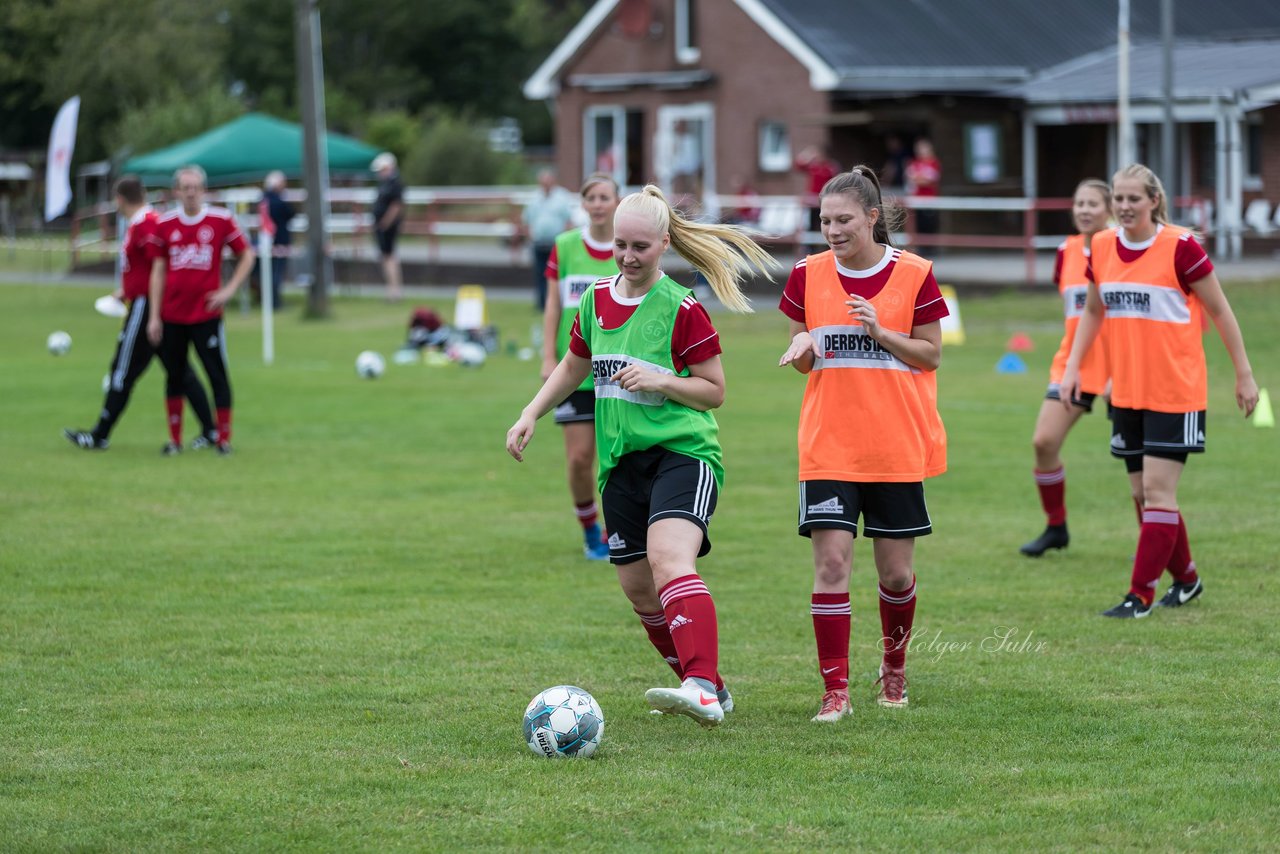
x,y
134,350
187,296
1090,208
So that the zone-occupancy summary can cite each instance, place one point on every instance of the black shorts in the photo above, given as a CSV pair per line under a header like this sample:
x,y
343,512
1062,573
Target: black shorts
x,y
650,485
1084,401
1169,435
386,239
580,405
892,511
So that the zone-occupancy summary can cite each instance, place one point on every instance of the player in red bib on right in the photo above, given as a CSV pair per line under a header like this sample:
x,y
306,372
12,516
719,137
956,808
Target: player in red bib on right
x,y
187,296
1152,281
865,328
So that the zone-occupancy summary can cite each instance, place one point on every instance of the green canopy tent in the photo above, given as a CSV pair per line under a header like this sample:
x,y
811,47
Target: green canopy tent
x,y
245,150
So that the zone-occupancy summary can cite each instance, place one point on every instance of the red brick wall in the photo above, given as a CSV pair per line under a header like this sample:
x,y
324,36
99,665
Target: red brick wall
x,y
755,80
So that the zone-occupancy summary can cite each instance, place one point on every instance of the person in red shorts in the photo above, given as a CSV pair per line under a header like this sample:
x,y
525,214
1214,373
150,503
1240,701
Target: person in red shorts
x,y
187,296
1152,281
1090,208
134,350
865,329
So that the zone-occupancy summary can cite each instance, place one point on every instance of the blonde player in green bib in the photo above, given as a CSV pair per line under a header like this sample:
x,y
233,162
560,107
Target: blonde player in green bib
x,y
579,258
654,358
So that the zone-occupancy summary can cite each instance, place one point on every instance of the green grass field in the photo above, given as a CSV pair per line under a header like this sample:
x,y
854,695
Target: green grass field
x,y
326,641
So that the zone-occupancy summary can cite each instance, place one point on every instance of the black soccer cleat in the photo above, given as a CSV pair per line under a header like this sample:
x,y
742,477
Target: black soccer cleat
x,y
1181,594
84,439
1054,537
224,449
1132,608
171,449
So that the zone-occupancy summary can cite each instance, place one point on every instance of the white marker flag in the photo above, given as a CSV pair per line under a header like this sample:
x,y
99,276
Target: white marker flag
x,y
62,142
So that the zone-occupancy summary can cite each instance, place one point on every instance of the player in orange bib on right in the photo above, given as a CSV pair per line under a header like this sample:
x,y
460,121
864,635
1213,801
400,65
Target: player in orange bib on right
x,y
1152,280
865,327
1090,208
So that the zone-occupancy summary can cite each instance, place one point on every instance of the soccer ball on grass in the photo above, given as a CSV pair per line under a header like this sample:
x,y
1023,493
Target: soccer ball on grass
x,y
58,343
370,365
563,721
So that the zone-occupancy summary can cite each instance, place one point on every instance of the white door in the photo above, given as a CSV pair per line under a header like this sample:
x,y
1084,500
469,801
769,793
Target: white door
x,y
684,155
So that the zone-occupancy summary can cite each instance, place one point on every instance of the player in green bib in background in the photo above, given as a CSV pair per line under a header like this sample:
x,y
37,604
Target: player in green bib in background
x,y
654,359
578,259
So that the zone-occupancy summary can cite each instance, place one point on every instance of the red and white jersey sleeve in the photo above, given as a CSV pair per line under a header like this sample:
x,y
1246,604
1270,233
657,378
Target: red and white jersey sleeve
x,y
1190,261
930,305
137,251
694,338
1057,264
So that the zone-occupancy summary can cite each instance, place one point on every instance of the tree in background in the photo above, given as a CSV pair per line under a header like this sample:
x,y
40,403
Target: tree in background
x,y
134,63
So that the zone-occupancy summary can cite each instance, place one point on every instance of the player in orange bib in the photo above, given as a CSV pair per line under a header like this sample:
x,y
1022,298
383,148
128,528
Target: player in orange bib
x,y
1151,280
865,328
1090,209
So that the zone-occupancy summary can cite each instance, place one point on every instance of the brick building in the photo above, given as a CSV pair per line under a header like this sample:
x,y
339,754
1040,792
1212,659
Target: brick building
x,y
702,95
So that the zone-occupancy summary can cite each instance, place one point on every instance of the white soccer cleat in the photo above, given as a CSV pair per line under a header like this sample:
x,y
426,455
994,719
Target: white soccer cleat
x,y
835,705
690,700
893,688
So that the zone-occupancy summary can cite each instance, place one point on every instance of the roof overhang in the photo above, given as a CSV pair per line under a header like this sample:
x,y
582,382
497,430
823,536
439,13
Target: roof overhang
x,y
641,80
545,81
930,80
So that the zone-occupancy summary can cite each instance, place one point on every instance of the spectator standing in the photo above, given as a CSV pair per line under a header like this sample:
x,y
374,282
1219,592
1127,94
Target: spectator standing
x,y
274,214
548,214
924,177
818,169
893,175
388,214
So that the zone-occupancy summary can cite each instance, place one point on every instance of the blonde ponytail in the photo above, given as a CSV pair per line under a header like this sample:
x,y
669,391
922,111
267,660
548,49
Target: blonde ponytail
x,y
723,253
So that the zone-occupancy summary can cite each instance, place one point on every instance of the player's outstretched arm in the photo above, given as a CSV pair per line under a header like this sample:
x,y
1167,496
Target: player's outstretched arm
x,y
567,376
802,350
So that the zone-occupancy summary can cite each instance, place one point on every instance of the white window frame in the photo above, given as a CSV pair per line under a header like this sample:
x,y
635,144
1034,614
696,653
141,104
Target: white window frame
x,y
685,52
1250,181
770,160
667,116
618,114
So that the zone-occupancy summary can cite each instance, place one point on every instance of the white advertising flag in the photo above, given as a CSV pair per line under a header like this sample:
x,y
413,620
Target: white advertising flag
x,y
62,142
